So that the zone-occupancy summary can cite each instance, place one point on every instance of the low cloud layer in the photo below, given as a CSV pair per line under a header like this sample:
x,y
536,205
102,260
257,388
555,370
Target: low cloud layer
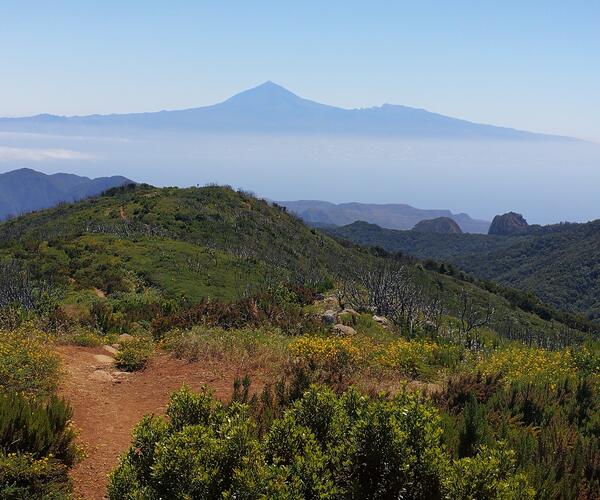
x,y
41,154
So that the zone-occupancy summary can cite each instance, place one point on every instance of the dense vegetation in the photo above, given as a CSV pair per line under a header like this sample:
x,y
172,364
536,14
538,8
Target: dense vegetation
x,y
36,439
560,264
389,376
322,446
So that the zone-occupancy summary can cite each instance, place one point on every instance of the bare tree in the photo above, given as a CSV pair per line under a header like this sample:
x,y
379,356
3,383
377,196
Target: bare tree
x,y
386,289
17,287
433,311
472,317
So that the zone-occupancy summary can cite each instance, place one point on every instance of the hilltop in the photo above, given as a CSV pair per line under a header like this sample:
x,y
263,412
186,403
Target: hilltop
x,y
441,225
119,299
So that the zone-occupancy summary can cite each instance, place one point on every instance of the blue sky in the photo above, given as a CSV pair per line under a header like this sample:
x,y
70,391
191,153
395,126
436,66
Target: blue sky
x,y
528,64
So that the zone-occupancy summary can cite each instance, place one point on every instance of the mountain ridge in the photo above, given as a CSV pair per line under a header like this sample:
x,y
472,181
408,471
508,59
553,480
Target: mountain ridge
x,y
270,108
25,190
388,215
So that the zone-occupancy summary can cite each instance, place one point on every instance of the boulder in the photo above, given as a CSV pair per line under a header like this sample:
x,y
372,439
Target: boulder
x,y
332,302
110,349
103,359
125,337
101,376
329,317
344,330
382,320
350,311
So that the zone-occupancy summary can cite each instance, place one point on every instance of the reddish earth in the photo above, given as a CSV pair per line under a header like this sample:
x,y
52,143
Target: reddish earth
x,y
108,404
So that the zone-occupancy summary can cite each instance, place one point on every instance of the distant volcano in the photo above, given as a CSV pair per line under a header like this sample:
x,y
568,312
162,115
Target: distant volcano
x,y
270,108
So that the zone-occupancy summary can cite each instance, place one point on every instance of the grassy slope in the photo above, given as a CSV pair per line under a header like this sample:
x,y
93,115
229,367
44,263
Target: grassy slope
x,y
560,264
183,240
198,242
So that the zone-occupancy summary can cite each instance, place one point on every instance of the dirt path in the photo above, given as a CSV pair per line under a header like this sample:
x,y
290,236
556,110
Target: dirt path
x,y
107,404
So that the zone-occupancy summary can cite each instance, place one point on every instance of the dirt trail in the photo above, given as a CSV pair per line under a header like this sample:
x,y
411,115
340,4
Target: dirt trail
x,y
107,404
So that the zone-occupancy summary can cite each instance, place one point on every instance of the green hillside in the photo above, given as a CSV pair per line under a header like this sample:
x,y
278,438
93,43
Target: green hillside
x,y
560,264
215,243
383,375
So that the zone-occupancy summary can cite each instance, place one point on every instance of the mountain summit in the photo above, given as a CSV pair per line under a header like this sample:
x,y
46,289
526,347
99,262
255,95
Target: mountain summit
x,y
266,94
271,108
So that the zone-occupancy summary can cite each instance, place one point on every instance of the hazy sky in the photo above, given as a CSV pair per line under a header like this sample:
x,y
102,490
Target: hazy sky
x,y
527,64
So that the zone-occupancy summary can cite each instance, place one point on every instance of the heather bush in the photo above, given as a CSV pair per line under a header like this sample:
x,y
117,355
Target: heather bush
x,y
36,447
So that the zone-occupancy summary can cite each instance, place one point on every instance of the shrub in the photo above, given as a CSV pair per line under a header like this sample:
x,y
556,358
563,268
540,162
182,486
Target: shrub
x,y
322,446
24,476
39,428
83,338
36,447
27,365
518,363
490,475
134,354
411,357
281,308
336,356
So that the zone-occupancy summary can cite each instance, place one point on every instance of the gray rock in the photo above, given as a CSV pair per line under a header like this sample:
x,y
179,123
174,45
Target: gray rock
x,y
329,317
382,320
101,376
103,359
344,330
110,349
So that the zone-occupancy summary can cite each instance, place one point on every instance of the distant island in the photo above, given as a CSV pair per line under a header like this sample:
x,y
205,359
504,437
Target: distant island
x,y
390,215
271,108
25,190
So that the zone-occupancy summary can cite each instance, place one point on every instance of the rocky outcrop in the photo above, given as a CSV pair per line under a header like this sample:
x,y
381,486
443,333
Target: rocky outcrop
x,y
508,224
440,225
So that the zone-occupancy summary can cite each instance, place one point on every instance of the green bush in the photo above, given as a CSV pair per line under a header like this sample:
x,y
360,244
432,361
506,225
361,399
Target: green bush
x,y
84,338
491,475
322,446
22,476
134,354
36,447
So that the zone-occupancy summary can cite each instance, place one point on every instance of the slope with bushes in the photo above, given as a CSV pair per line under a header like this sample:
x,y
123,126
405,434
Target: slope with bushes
x,y
560,263
466,391
139,252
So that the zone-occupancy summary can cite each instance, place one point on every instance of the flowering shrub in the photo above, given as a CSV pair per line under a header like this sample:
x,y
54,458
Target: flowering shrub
x,y
411,357
27,365
333,354
518,363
